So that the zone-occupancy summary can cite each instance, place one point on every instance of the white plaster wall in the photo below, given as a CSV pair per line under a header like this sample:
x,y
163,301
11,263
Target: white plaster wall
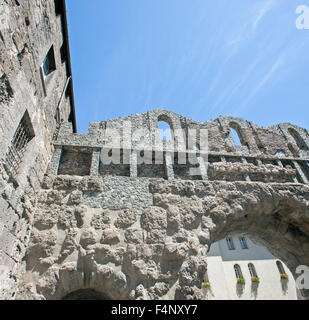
x,y
223,280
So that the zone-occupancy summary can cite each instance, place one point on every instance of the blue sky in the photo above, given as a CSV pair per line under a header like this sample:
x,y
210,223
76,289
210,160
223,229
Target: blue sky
x,y
199,58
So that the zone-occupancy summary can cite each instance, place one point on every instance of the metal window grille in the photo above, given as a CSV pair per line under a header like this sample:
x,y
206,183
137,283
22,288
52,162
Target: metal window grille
x,y
16,149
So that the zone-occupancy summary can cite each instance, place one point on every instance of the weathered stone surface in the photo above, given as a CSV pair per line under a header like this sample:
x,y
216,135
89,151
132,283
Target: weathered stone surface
x,y
126,219
133,230
110,236
165,243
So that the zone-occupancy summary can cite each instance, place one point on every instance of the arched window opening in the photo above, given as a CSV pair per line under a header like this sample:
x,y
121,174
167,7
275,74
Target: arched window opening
x,y
280,267
236,134
235,137
165,131
252,270
298,139
206,277
238,271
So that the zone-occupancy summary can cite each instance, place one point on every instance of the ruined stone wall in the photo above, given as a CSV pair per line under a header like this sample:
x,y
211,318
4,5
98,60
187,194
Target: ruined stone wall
x,y
142,231
148,239
266,154
28,29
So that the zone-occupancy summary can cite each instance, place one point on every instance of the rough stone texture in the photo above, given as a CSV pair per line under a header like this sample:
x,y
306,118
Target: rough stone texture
x,y
27,31
71,222
158,252
142,231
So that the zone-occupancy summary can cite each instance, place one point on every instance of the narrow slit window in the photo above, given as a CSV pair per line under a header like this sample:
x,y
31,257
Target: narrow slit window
x,y
23,135
243,243
230,244
280,267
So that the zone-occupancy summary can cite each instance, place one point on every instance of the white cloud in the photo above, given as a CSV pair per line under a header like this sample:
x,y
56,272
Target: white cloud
x,y
261,10
254,16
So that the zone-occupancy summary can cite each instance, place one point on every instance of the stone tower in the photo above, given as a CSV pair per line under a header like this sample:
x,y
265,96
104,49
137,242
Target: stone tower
x,y
119,213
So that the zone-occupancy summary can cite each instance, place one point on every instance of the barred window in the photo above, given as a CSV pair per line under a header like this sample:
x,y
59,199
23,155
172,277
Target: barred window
x,y
21,138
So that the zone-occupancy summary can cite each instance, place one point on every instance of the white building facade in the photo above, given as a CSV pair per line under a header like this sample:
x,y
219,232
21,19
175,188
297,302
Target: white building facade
x,y
238,269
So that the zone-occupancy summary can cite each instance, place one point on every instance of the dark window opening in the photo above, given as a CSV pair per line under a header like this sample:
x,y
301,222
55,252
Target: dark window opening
x,y
252,270
280,267
230,244
243,243
238,271
70,117
58,7
63,53
23,135
49,64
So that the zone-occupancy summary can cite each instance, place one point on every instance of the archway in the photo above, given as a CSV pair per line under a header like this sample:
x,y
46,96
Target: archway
x,y
298,139
247,272
236,134
85,294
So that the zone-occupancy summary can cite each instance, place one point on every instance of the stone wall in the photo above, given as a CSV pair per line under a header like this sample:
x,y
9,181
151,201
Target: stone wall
x,y
28,29
142,230
148,239
266,154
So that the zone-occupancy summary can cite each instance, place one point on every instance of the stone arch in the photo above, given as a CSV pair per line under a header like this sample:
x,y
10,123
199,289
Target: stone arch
x,y
85,294
298,139
163,118
170,237
273,216
272,228
236,128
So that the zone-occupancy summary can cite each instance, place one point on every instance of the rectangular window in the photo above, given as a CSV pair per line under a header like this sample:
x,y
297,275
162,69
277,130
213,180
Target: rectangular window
x,y
49,63
21,138
230,243
243,243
